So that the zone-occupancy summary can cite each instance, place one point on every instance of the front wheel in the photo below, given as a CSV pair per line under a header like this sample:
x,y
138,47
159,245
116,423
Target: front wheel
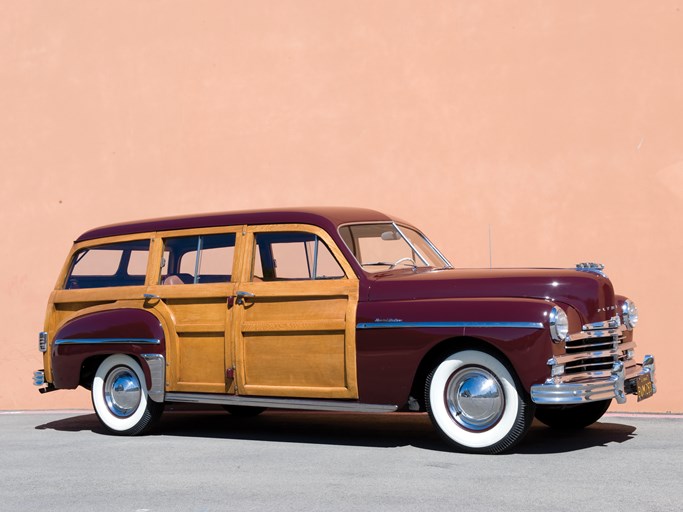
x,y
477,404
572,417
120,399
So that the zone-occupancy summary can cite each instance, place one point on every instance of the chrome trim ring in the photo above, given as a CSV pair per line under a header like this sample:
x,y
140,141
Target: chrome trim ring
x,y
122,391
474,398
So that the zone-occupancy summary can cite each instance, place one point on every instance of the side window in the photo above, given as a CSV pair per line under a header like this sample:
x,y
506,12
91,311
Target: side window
x,y
198,259
101,266
293,256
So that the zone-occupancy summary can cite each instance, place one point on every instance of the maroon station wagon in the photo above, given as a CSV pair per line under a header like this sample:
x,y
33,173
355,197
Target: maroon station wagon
x,y
333,309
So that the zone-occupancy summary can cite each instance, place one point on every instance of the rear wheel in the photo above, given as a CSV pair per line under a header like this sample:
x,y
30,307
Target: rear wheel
x,y
120,399
476,403
572,417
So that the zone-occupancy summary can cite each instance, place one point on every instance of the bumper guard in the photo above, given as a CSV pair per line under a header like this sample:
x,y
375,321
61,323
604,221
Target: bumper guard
x,y
615,386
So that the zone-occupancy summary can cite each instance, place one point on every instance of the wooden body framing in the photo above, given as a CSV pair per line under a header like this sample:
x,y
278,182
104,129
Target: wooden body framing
x,y
293,339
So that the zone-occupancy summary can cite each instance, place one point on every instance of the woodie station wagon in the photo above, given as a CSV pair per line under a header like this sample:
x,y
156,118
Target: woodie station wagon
x,y
333,309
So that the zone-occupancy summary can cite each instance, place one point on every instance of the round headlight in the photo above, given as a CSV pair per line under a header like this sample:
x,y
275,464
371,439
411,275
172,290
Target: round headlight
x,y
559,324
629,313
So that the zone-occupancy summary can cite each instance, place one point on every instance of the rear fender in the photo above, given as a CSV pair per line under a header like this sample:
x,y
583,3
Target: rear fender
x,y
129,331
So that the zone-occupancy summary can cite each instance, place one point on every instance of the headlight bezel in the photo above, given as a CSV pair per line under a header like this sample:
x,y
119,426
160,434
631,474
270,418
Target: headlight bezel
x,y
629,314
559,324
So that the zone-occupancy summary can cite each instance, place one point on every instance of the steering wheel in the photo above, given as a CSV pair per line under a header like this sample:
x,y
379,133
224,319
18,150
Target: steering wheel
x,y
401,260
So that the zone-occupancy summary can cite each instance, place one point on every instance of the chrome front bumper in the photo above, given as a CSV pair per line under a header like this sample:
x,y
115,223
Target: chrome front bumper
x,y
617,386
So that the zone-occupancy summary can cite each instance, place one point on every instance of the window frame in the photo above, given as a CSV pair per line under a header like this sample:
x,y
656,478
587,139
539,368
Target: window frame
x,y
198,250
320,233
122,267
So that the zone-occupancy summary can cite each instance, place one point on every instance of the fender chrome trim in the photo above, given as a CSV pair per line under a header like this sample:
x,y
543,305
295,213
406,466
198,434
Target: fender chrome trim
x,y
93,341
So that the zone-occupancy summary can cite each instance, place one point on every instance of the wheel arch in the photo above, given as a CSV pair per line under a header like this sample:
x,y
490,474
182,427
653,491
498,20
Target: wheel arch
x,y
92,363
444,349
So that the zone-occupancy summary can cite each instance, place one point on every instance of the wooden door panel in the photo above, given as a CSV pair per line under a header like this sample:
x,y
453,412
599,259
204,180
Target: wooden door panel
x,y
200,354
196,352
295,362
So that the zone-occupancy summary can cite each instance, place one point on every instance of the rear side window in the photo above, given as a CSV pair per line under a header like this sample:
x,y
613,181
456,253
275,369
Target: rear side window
x,y
201,259
102,266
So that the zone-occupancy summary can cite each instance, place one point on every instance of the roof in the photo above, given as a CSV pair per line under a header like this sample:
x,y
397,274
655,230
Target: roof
x,y
325,217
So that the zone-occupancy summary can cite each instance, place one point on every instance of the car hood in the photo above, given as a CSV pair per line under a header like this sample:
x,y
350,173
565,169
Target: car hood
x,y
590,293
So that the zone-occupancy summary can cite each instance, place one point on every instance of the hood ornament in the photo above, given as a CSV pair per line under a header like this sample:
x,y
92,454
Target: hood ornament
x,y
596,268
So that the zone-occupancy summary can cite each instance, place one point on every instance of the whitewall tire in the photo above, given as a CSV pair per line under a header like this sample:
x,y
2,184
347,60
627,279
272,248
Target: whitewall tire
x,y
120,399
476,403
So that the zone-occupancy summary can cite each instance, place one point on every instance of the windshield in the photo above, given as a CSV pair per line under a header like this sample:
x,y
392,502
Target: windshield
x,y
386,246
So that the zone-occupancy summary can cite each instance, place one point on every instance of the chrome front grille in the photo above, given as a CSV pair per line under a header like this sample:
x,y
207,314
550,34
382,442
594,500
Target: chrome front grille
x,y
593,351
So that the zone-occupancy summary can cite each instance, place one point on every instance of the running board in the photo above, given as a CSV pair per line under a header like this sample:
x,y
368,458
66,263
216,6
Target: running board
x,y
277,403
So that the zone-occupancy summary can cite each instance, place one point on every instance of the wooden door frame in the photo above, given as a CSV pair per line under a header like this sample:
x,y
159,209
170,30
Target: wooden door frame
x,y
344,287
191,291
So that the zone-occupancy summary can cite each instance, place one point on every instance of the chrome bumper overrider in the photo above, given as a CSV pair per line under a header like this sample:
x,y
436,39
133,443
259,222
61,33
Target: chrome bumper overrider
x,y
39,378
617,386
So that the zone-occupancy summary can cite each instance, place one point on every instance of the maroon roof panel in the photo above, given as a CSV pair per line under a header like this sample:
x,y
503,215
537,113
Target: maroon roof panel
x,y
327,218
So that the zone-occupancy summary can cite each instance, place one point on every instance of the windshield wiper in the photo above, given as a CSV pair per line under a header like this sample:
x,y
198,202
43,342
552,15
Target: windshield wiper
x,y
376,264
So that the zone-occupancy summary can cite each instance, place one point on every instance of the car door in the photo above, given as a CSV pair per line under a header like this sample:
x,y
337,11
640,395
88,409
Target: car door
x,y
191,291
295,312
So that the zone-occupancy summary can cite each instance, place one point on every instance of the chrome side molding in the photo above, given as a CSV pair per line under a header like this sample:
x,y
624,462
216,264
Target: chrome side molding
x,y
442,325
93,341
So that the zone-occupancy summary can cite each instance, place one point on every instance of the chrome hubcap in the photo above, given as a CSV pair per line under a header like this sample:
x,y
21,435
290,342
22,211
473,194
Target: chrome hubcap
x,y
122,391
475,399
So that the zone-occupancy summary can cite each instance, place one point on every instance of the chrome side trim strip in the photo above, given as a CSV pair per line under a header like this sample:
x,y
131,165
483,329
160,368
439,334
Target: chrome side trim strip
x,y
440,325
157,372
89,341
278,403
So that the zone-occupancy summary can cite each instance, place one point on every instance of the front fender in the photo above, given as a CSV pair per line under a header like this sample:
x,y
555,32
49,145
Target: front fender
x,y
395,338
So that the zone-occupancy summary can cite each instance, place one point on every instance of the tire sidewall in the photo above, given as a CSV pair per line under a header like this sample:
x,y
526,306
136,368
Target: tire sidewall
x,y
110,420
467,439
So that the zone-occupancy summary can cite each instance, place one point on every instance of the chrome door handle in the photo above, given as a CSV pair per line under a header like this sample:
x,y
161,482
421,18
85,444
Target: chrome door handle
x,y
149,296
243,295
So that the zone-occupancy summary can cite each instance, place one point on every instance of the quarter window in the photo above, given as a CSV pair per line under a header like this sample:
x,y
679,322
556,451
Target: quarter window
x,y
119,264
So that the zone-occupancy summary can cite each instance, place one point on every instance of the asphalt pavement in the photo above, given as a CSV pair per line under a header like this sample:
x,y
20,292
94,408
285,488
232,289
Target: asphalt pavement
x,y
281,461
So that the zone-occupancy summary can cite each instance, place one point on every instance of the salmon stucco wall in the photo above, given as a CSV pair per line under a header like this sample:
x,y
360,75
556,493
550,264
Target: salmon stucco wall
x,y
555,126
